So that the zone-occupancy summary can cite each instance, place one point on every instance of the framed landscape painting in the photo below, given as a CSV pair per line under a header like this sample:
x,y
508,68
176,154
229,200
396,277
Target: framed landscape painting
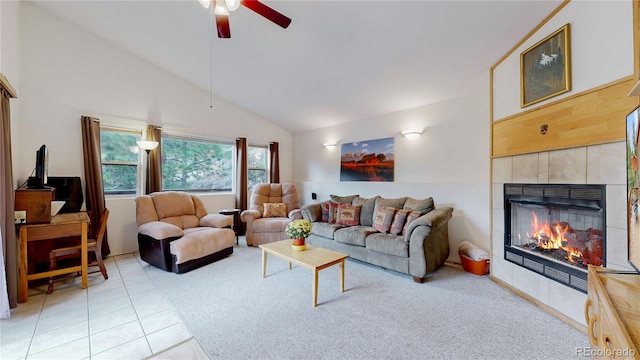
x,y
545,68
371,160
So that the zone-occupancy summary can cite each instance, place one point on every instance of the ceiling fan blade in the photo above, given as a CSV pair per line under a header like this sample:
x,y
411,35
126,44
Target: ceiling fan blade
x,y
267,12
222,23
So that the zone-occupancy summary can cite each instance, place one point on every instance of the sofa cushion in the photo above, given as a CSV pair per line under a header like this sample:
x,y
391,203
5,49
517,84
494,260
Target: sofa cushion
x,y
173,203
274,193
199,242
348,214
182,221
325,230
424,205
354,235
271,225
343,199
274,210
366,213
412,216
216,220
145,210
383,218
160,230
388,244
399,219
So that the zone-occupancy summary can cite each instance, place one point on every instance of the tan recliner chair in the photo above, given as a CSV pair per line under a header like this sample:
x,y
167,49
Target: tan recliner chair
x,y
175,232
261,229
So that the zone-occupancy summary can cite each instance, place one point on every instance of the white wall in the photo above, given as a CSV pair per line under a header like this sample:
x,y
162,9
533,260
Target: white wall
x,y
67,72
449,162
10,65
601,38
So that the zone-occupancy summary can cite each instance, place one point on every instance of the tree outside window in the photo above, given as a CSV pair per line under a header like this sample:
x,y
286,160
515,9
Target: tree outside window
x,y
257,165
120,158
202,165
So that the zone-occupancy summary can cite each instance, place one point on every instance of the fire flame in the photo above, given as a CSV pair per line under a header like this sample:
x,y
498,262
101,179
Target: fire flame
x,y
552,237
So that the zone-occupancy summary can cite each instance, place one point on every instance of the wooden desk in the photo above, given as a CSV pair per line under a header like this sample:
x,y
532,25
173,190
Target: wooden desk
x,y
61,225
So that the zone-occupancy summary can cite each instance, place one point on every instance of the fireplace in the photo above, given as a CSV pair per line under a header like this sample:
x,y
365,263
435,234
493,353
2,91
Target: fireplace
x,y
556,230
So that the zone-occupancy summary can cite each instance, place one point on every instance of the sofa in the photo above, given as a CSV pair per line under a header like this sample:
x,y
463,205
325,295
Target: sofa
x,y
271,209
406,235
176,233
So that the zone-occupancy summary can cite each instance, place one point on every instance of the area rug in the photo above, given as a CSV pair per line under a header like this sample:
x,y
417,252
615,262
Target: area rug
x,y
235,314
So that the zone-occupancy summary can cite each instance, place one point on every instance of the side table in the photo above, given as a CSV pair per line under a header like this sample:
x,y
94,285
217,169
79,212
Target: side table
x,y
236,220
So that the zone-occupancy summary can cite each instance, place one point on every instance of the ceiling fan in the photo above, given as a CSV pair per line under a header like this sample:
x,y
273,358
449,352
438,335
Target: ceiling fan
x,y
221,9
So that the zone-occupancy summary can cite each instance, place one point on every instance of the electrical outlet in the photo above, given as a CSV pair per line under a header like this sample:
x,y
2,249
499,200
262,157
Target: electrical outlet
x,y
20,216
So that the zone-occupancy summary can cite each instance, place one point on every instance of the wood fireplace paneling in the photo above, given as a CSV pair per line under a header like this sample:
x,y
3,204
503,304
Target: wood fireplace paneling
x,y
592,117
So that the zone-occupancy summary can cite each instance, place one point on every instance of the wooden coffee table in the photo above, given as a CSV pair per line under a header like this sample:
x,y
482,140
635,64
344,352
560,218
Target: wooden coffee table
x,y
313,258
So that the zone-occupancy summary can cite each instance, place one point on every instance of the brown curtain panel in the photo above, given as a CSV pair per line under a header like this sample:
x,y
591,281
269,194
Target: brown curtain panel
x,y
93,176
9,246
274,163
241,177
154,133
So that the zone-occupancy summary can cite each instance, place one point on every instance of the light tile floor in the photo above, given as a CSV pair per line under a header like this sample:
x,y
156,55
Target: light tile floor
x,y
124,317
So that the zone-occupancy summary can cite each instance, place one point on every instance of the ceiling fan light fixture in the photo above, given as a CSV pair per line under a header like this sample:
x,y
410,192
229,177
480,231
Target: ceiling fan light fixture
x,y
205,3
232,5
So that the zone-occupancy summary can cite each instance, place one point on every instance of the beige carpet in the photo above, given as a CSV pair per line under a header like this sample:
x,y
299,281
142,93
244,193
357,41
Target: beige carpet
x,y
235,314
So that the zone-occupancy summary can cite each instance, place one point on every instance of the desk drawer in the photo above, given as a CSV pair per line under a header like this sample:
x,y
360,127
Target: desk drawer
x,y
53,231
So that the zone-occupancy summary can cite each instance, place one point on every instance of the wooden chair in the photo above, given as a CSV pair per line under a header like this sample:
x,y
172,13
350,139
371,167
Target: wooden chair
x,y
93,245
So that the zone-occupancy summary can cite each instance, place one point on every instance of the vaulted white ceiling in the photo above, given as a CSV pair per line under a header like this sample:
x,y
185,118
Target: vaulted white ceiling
x,y
338,61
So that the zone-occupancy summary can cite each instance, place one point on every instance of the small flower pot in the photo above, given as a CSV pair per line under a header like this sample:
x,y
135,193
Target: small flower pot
x,y
298,244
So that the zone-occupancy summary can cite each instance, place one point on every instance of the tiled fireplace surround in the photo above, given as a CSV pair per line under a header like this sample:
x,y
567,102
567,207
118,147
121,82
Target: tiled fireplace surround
x,y
596,164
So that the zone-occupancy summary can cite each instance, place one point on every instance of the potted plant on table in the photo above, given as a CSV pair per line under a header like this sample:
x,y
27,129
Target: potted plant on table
x,y
298,230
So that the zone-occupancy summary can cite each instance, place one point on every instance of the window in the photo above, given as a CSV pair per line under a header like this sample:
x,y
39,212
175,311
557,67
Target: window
x,y
257,165
119,155
197,164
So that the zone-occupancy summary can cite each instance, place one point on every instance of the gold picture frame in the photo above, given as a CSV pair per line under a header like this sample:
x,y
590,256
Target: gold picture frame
x,y
545,68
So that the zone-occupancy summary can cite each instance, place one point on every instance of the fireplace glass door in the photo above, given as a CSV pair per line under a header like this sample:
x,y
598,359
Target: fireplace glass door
x,y
566,235
556,230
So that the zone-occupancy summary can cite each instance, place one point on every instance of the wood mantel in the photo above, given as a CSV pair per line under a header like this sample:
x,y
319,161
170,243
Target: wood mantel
x,y
595,116
6,85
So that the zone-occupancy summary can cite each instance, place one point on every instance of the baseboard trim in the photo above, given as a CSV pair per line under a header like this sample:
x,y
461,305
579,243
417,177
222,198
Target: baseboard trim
x,y
541,305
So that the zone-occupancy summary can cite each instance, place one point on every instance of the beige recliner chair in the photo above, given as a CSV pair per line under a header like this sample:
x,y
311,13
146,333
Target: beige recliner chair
x,y
271,208
175,232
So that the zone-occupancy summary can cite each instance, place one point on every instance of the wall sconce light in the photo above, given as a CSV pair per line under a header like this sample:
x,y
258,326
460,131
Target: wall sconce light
x,y
330,145
412,134
147,146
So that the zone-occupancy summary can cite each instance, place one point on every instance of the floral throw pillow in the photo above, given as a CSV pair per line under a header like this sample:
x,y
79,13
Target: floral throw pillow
x,y
274,210
399,219
348,214
412,216
383,218
325,211
333,212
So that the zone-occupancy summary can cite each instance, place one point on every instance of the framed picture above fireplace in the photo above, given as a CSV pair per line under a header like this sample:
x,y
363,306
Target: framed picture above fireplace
x,y
633,188
545,68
